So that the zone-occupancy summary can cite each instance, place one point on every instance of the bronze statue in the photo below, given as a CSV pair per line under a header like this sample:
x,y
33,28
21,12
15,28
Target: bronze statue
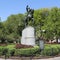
x,y
29,15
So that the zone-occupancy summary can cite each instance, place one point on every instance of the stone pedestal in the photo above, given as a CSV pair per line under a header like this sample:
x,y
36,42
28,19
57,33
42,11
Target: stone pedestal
x,y
28,36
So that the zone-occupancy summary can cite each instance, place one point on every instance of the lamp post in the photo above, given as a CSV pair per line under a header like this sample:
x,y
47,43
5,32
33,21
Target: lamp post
x,y
41,41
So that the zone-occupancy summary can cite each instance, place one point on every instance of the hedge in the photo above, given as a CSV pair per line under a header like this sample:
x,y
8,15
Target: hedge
x,y
34,51
51,51
27,51
18,52
1,50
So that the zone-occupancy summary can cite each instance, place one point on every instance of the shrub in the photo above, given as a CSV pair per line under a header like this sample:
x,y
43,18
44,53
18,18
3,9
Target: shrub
x,y
50,51
1,50
12,52
58,47
4,51
26,51
46,51
55,51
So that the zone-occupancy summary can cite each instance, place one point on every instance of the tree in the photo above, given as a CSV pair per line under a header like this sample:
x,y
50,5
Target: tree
x,y
14,25
44,19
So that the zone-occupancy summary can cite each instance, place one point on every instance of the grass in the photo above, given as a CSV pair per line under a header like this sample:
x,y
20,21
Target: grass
x,y
50,45
10,46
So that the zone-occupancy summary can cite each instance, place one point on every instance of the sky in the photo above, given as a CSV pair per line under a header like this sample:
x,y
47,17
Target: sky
x,y
8,7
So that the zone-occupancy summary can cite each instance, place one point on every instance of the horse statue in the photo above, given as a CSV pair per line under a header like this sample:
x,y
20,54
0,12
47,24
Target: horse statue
x,y
29,16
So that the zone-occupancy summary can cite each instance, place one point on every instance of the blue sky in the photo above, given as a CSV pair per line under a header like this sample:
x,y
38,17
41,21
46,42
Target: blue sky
x,y
8,7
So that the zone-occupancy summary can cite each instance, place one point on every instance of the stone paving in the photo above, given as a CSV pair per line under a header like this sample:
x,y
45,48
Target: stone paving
x,y
55,58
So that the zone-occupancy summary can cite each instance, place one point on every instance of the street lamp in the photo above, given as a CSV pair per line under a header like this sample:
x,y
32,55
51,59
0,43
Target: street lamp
x,y
41,44
41,40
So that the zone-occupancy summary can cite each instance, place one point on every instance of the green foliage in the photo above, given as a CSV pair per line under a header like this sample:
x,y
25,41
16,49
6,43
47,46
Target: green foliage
x,y
46,51
44,19
48,20
4,51
51,50
11,29
26,51
11,52
10,46
1,50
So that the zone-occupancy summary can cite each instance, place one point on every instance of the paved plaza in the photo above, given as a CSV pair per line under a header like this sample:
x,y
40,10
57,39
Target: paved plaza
x,y
55,58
